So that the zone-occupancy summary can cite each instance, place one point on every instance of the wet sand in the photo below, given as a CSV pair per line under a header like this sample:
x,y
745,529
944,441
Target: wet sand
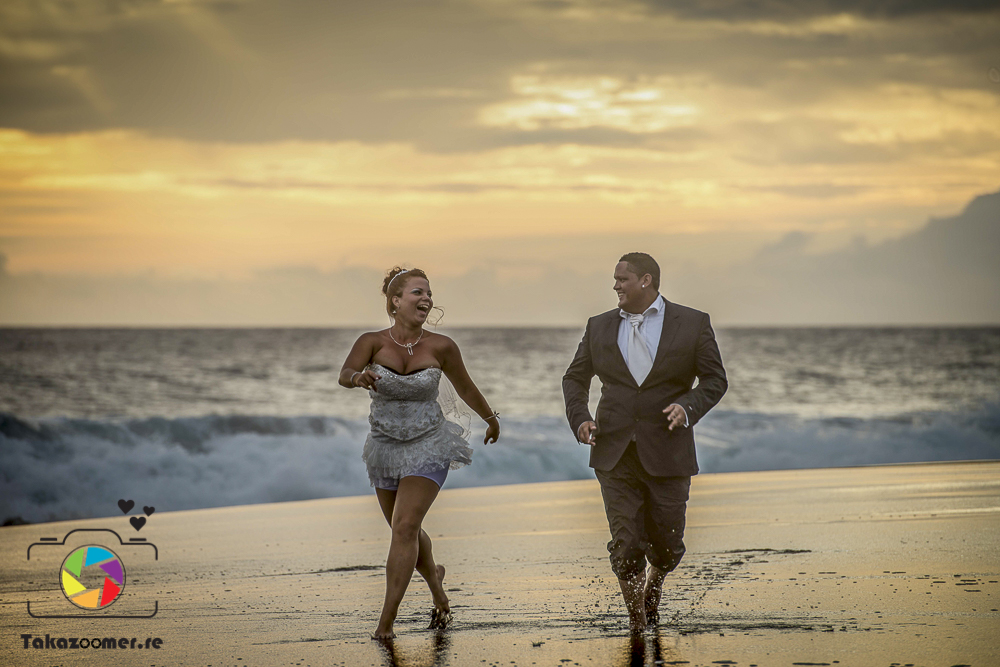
x,y
850,566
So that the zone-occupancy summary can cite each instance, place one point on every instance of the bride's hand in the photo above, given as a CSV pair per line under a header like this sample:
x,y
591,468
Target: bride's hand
x,y
366,379
492,431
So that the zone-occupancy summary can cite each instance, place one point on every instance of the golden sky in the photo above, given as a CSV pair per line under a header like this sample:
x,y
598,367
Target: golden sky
x,y
262,162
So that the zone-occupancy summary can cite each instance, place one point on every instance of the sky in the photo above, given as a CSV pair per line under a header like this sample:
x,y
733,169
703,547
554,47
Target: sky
x,y
262,163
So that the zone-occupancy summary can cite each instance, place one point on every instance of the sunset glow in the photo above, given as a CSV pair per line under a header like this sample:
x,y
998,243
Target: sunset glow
x,y
184,140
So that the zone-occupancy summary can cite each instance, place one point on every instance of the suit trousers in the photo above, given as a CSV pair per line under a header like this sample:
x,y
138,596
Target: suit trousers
x,y
645,514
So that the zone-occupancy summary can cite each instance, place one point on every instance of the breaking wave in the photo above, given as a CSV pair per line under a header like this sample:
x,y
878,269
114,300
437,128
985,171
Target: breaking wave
x,y
66,468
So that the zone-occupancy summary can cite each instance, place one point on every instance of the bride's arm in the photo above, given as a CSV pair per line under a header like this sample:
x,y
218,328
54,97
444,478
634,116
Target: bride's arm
x,y
454,369
353,374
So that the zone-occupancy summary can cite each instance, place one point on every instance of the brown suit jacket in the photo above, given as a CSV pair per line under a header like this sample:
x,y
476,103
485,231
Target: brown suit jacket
x,y
628,411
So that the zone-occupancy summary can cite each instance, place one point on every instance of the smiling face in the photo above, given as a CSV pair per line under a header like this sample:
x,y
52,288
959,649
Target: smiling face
x,y
635,293
415,302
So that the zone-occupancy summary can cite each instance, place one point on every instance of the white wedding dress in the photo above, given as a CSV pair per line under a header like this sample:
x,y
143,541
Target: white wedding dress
x,y
415,428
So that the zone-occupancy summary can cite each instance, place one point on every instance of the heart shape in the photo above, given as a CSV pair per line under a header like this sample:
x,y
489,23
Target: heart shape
x,y
137,522
148,510
126,505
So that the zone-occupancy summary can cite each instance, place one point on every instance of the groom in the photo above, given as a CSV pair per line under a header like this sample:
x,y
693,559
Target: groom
x,y
647,354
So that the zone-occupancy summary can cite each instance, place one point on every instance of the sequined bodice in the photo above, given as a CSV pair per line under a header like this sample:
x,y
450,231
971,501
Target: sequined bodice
x,y
420,385
405,406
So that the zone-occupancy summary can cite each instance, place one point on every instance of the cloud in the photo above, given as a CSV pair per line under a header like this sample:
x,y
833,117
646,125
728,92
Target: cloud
x,y
308,69
288,296
737,10
944,273
446,76
815,190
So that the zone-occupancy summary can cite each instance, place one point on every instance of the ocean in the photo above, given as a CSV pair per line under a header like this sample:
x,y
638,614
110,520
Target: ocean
x,y
194,418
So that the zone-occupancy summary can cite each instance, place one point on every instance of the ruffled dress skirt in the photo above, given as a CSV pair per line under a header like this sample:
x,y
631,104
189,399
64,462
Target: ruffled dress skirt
x,y
410,434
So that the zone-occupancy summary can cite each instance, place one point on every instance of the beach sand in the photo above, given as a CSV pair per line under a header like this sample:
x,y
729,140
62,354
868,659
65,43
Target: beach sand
x,y
849,566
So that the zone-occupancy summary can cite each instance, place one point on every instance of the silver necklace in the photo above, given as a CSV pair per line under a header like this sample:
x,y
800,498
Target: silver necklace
x,y
408,346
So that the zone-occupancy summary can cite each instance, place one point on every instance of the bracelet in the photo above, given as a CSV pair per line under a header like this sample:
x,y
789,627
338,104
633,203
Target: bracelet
x,y
495,414
356,374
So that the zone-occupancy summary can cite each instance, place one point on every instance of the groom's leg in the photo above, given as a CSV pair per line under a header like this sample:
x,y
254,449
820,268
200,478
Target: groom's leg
x,y
664,520
622,490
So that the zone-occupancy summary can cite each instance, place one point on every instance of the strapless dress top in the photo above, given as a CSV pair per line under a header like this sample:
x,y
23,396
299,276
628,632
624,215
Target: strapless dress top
x,y
409,431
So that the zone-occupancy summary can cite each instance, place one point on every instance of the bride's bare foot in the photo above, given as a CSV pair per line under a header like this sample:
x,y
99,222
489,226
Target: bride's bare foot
x,y
440,619
437,591
381,635
441,615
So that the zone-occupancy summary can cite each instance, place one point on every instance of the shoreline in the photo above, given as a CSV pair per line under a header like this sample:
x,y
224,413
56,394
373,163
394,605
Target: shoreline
x,y
858,565
702,474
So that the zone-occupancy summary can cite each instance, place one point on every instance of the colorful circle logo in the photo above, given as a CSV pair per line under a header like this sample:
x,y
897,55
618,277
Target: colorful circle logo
x,y
92,577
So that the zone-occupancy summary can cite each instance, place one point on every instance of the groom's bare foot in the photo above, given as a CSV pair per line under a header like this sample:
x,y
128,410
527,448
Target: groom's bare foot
x,y
636,626
652,604
632,592
651,596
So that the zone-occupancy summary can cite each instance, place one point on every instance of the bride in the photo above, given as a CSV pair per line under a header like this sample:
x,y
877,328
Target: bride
x,y
412,445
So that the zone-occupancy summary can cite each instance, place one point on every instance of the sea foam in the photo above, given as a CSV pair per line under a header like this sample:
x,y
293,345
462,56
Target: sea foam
x,y
65,468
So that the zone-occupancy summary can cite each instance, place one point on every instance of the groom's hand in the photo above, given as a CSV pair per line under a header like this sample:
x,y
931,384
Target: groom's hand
x,y
586,433
677,416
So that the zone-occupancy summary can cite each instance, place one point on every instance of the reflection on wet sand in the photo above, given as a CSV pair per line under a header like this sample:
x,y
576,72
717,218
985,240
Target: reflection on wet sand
x,y
652,649
436,655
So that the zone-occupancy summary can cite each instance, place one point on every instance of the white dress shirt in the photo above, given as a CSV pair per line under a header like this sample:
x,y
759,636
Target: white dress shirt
x,y
650,330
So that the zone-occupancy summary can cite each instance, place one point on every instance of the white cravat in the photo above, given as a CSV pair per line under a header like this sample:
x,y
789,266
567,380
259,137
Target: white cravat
x,y
639,361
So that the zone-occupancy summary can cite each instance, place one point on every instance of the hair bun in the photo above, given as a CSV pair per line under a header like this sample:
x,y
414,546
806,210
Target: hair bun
x,y
392,273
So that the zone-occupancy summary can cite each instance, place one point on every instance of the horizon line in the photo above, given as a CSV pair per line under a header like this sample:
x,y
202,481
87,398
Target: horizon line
x,y
355,327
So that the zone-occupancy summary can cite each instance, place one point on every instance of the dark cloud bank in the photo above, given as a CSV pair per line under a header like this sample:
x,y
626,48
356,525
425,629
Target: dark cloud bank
x,y
328,70
945,273
739,10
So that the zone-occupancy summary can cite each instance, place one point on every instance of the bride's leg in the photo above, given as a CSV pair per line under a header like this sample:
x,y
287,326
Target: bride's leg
x,y
432,573
413,499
